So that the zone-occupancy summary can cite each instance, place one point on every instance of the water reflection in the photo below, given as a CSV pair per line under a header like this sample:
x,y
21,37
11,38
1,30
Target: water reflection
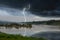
x,y
17,26
29,30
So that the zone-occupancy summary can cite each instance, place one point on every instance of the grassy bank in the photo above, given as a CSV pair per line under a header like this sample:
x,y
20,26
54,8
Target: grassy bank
x,y
4,36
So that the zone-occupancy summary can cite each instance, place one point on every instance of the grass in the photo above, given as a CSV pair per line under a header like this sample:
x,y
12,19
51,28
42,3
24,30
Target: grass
x,y
4,36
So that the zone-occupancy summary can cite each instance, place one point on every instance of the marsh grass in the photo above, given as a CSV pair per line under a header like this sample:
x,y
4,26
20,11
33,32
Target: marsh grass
x,y
4,36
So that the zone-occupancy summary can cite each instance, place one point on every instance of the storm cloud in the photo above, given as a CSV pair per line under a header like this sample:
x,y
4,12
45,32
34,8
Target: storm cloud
x,y
16,15
38,7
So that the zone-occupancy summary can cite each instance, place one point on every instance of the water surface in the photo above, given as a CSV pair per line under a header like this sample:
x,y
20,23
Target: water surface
x,y
30,31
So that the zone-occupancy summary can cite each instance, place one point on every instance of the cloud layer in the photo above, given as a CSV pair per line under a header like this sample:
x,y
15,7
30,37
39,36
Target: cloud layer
x,y
15,15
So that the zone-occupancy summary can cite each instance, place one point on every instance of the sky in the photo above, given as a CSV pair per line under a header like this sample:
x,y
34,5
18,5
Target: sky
x,y
40,10
16,15
36,6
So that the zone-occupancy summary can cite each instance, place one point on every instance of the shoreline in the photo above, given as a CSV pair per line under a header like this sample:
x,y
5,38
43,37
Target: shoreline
x,y
4,36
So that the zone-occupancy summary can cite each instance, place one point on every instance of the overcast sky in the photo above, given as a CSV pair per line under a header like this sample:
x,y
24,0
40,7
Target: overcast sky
x,y
36,6
38,10
16,15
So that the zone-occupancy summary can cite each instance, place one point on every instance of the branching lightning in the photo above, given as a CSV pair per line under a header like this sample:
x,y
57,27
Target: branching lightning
x,y
24,10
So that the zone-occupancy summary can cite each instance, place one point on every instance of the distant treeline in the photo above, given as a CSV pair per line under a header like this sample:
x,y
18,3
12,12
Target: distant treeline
x,y
29,24
16,25
49,22
53,22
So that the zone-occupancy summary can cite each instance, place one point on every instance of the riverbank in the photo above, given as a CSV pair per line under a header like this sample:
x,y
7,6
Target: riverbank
x,y
4,36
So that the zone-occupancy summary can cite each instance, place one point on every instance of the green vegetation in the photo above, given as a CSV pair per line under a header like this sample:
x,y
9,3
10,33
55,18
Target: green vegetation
x,y
16,25
53,22
49,22
29,24
4,36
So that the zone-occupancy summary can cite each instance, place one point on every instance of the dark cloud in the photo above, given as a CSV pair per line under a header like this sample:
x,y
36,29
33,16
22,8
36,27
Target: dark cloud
x,y
13,3
36,5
